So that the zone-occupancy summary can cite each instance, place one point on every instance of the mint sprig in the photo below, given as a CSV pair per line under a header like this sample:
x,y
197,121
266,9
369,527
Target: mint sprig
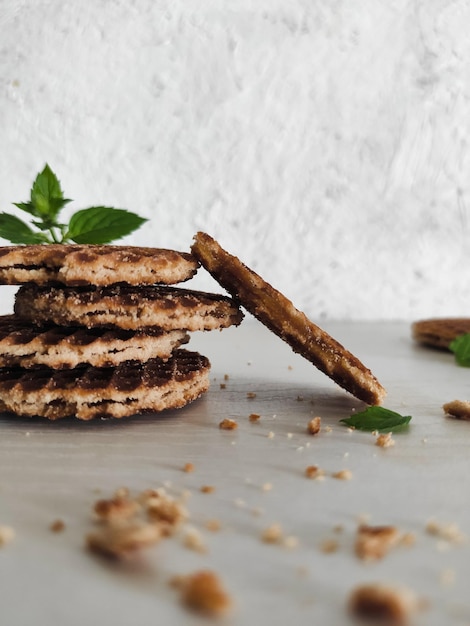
x,y
460,346
95,225
377,418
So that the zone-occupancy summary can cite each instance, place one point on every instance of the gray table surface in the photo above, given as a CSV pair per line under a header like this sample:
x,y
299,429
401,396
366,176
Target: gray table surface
x,y
58,470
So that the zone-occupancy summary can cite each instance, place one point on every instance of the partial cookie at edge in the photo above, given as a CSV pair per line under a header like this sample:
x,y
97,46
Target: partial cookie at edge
x,y
439,332
279,314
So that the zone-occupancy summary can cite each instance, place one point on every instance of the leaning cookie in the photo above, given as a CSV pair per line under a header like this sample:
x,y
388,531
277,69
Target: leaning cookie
x,y
439,332
88,392
279,314
130,308
28,345
93,264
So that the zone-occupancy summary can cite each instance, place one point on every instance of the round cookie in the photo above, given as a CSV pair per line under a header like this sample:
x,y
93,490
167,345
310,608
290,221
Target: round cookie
x,y
93,264
278,313
88,392
439,332
23,344
130,308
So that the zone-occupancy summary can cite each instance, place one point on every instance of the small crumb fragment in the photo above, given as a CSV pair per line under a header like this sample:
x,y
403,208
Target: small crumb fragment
x,y
314,472
254,417
449,531
408,539
162,508
223,386
314,426
207,489
119,540
213,525
228,424
226,376
266,487
382,604
300,398
203,592
270,435
457,408
344,474
188,468
194,540
328,429
251,395
374,542
328,546
289,435
119,507
57,526
385,440
7,534
272,534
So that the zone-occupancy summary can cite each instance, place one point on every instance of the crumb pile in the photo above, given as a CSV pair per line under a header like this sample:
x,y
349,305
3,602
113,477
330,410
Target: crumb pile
x,y
97,331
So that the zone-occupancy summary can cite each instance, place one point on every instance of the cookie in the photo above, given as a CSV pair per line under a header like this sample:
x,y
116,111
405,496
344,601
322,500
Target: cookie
x,y
278,313
93,264
89,392
130,308
25,345
439,332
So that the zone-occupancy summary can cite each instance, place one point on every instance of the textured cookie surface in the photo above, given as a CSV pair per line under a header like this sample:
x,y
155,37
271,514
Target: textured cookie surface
x,y
88,392
93,264
26,345
130,308
279,314
439,332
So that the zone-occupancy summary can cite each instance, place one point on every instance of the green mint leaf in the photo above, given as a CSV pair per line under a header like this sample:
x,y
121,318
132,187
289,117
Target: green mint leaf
x,y
101,224
26,206
460,346
47,197
377,418
16,231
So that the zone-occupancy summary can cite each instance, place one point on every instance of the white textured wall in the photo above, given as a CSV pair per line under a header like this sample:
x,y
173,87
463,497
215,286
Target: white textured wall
x,y
325,142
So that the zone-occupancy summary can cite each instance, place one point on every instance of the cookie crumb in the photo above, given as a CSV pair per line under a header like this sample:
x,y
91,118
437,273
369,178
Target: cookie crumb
x,y
119,507
270,435
458,409
207,489
57,526
290,542
266,487
449,531
314,426
251,395
194,540
385,440
383,604
314,472
203,592
213,525
226,376
254,417
344,474
223,386
374,542
120,540
272,534
328,546
228,424
7,534
188,468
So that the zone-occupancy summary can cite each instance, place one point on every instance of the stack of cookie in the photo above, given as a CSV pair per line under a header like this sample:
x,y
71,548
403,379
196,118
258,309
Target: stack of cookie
x,y
97,331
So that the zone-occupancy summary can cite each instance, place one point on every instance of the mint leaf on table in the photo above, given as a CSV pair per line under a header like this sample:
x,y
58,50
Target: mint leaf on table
x,y
377,418
460,346
96,225
101,224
